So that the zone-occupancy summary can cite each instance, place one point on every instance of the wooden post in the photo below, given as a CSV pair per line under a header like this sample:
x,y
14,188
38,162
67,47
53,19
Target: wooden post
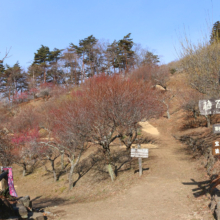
x,y
140,162
139,153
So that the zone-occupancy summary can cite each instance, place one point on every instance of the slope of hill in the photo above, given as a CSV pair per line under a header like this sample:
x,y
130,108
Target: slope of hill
x,y
165,191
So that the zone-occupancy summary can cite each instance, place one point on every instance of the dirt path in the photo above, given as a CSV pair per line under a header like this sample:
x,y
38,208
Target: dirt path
x,y
160,196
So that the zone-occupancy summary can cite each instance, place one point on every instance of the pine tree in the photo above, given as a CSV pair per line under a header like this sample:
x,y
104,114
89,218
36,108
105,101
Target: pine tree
x,y
112,54
86,52
126,54
2,68
55,73
215,35
72,66
150,59
13,80
42,57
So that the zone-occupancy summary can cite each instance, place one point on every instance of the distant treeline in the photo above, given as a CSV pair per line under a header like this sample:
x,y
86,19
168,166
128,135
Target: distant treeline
x,y
72,65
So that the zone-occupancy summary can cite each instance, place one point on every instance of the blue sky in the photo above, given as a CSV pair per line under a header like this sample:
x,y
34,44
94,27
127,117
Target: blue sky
x,y
156,25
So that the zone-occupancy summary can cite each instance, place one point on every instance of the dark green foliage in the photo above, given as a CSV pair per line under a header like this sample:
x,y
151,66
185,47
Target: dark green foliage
x,y
87,51
150,59
215,35
12,80
55,74
73,65
172,70
113,55
54,55
2,68
125,54
42,56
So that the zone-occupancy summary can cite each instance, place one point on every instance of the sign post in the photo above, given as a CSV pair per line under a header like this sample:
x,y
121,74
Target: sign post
x,y
209,107
216,129
140,153
216,147
140,162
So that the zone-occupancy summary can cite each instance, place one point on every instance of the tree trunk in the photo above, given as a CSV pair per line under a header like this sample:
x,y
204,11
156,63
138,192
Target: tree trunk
x,y
62,160
71,175
168,114
111,172
9,95
194,114
208,117
109,166
24,169
44,75
54,171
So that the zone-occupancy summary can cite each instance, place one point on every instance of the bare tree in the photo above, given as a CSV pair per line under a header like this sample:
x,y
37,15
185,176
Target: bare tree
x,y
201,62
70,132
115,105
6,55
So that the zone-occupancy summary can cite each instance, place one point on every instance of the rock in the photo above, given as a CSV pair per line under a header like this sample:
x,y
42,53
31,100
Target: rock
x,y
43,133
25,201
21,211
5,131
159,87
215,204
37,215
6,210
44,93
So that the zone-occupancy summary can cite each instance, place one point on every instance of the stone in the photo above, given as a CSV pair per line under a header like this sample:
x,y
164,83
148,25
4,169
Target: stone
x,y
25,201
21,211
36,215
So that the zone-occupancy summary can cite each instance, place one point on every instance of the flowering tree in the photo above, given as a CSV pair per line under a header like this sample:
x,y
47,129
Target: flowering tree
x,y
70,130
115,105
25,148
6,157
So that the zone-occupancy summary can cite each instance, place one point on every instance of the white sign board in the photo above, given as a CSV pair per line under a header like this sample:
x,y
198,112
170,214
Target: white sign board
x,y
143,153
216,128
209,107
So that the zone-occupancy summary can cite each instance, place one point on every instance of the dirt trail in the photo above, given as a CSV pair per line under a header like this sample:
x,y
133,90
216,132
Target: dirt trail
x,y
160,196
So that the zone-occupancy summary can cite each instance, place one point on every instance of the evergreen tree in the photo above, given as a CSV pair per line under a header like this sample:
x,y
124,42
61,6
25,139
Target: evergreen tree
x,y
215,35
86,51
150,59
72,66
55,73
112,54
54,55
2,68
126,54
13,80
42,58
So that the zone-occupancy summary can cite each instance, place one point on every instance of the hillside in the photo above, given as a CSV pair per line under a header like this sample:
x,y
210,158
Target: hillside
x,y
158,194
165,191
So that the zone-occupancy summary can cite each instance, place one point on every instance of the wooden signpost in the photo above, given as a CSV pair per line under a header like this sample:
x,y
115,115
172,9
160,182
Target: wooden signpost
x,y
216,147
140,153
209,107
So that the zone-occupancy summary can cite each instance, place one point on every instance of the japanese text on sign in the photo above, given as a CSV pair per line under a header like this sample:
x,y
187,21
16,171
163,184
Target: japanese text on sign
x,y
216,147
208,107
216,128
